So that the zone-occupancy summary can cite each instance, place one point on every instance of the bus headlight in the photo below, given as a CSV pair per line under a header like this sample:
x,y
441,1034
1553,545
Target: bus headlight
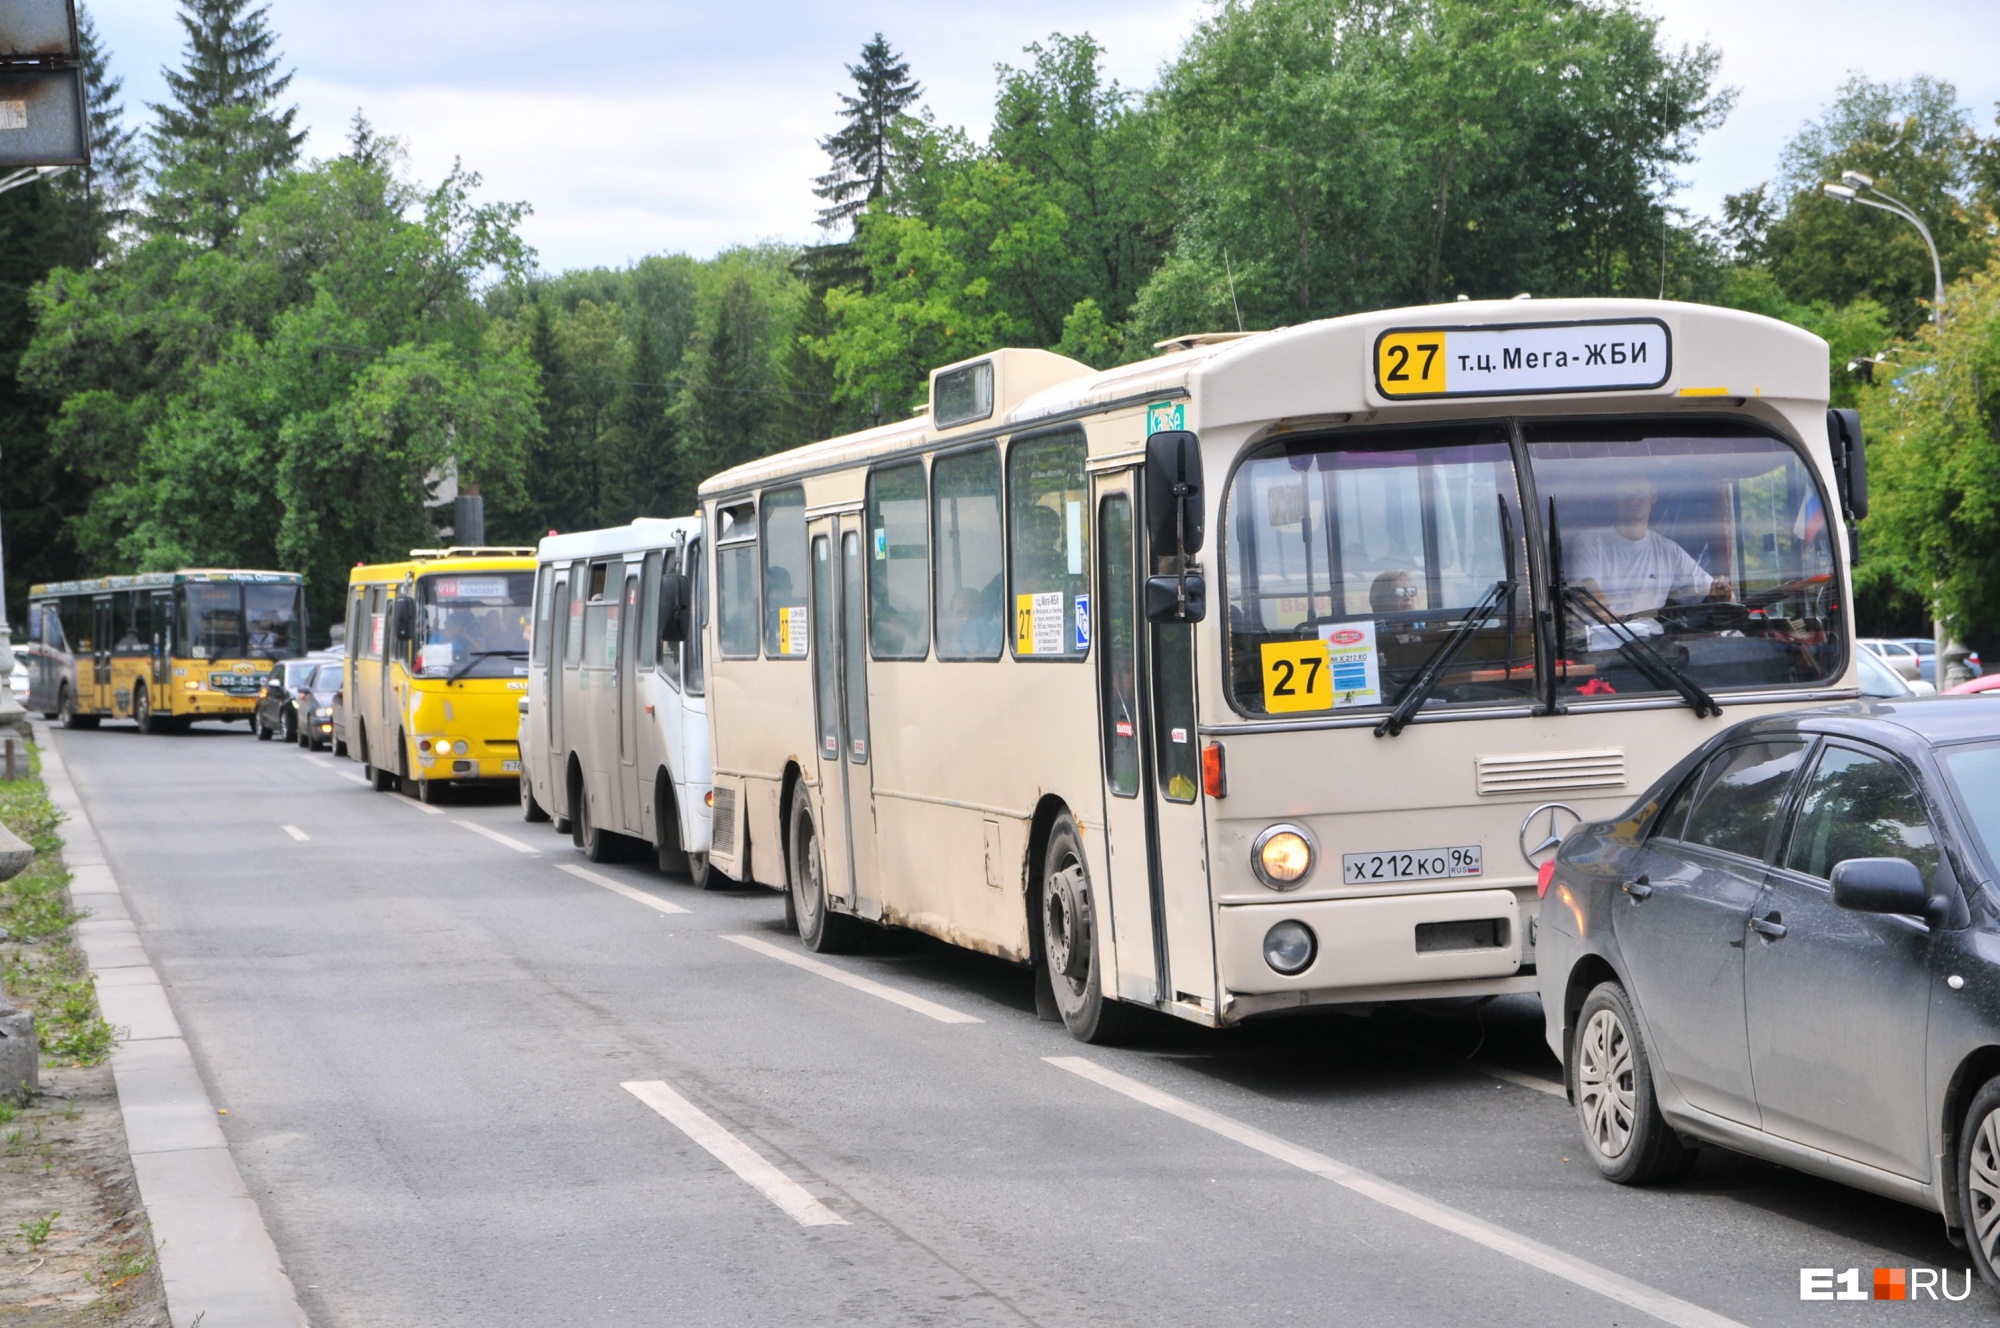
x,y
1283,856
459,747
1290,947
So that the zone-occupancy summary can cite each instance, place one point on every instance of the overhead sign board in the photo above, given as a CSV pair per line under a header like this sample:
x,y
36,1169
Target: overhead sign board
x,y
38,30
1523,359
42,118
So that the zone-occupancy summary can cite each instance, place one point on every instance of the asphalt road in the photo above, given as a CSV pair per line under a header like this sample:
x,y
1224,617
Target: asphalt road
x,y
420,1033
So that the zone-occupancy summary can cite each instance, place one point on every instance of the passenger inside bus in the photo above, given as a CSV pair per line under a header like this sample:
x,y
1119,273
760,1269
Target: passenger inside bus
x,y
969,629
1632,569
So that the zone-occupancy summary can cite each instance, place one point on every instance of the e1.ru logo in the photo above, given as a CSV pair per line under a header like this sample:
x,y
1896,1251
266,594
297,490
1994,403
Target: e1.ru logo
x,y
1890,1284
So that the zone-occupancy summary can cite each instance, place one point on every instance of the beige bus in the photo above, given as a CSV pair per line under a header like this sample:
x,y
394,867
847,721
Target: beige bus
x,y
1268,672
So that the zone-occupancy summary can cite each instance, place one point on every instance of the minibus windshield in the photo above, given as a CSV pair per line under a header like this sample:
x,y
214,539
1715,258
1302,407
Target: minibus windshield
x,y
473,624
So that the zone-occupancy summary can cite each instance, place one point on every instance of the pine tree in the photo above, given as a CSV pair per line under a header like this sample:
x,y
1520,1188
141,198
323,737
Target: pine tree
x,y
864,149
102,193
221,141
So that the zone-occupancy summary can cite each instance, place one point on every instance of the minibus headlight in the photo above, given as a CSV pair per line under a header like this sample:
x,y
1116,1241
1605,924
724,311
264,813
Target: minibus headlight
x,y
1290,947
1283,857
459,747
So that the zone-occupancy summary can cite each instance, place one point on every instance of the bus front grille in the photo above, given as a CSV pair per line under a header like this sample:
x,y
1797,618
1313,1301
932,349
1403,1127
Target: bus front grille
x,y
1551,772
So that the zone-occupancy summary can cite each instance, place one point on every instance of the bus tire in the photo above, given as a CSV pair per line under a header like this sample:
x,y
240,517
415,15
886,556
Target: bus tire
x,y
597,845
429,791
667,825
1068,941
823,930
531,811
67,712
701,876
142,712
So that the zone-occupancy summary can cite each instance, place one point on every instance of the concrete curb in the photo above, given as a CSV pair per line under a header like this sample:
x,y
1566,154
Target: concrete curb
x,y
216,1257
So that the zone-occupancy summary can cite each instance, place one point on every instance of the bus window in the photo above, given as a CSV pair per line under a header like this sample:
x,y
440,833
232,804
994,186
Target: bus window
x,y
1049,546
826,677
574,604
899,594
856,664
35,625
356,615
1708,540
544,593
1174,743
134,628
212,619
275,620
653,652
1118,661
1353,556
785,574
691,660
966,575
600,620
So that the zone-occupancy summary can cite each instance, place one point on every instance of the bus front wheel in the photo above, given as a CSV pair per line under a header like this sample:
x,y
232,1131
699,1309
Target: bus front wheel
x,y
142,711
69,715
823,930
1067,929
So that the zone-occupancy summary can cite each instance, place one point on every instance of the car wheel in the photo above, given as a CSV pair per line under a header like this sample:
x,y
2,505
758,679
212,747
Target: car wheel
x,y
531,810
823,930
291,726
257,723
1979,1182
1066,932
1616,1102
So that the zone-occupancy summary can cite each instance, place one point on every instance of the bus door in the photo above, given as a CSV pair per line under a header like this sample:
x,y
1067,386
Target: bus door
x,y
163,645
840,685
626,687
1158,895
101,629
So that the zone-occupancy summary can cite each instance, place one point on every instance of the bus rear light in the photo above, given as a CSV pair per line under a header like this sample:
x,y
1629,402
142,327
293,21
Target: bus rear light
x,y
423,744
1214,774
1545,874
1282,857
708,799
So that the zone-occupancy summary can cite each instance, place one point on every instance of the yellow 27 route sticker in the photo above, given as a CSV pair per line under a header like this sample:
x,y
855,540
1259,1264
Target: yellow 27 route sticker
x,y
1298,675
1524,359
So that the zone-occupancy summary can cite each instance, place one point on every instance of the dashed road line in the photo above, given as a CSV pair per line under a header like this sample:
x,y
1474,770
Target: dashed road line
x,y
796,1201
295,832
497,837
619,887
1507,1076
942,1013
412,802
1579,1272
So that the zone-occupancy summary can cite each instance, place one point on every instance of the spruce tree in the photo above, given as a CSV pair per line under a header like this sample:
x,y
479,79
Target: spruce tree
x,y
222,140
102,193
864,149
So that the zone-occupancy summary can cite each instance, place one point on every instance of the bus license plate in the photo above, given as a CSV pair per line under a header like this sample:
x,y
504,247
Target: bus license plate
x,y
510,767
1423,864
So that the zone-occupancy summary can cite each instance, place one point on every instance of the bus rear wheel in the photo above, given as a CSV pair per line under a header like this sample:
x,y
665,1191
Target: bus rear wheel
x,y
531,811
823,930
69,715
598,845
1067,931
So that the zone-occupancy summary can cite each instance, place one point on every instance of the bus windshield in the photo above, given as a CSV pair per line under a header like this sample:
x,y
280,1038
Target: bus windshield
x,y
474,624
231,620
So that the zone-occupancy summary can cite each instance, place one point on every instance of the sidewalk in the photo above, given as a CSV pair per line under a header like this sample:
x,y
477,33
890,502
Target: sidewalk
x,y
216,1258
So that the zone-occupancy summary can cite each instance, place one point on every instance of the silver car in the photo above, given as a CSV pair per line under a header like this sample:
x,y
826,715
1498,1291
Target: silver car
x,y
1790,947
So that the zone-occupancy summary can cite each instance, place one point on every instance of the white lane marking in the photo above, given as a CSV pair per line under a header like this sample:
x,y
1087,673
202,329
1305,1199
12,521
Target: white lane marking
x,y
942,1013
412,802
1507,1076
497,837
295,832
619,887
1658,1304
797,1202
322,764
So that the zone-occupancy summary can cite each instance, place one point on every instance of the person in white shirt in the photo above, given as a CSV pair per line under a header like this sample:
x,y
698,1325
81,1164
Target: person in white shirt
x,y
1633,570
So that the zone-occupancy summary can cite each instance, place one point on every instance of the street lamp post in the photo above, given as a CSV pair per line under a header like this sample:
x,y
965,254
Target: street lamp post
x,y
1854,187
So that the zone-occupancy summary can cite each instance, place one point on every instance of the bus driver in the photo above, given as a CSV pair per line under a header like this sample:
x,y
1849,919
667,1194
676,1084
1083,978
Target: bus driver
x,y
1632,569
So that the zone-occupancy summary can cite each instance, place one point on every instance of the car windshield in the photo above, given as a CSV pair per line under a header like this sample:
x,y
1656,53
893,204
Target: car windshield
x,y
1975,775
474,624
300,673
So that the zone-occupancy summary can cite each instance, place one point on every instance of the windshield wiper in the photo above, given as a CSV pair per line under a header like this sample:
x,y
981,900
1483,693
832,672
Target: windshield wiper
x,y
478,655
1420,687
1640,652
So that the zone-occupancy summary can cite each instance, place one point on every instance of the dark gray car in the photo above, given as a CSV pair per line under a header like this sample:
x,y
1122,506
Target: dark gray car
x,y
1790,946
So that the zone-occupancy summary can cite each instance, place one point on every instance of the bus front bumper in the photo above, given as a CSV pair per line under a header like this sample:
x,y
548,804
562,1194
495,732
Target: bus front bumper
x,y
1459,939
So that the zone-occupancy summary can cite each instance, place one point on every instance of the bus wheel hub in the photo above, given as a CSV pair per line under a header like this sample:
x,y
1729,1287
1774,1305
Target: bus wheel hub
x,y
1067,931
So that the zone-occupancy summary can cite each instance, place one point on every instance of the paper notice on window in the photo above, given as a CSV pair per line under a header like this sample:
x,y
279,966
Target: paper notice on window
x,y
792,631
13,115
1038,624
1356,670
1073,535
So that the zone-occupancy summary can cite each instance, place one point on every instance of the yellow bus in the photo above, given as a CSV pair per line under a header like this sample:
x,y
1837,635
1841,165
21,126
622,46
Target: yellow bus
x,y
1269,672
161,648
437,661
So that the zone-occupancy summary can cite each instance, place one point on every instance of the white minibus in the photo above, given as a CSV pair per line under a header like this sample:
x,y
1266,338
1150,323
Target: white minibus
x,y
1269,672
614,726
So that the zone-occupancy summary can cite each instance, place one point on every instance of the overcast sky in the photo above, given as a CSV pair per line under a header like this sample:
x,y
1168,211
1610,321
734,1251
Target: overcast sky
x,y
642,126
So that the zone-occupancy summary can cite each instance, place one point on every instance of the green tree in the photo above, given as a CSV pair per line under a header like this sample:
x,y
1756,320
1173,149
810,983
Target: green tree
x,y
221,143
864,149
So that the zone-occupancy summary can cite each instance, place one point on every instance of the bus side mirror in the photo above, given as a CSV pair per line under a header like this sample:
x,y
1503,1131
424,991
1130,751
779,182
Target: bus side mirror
x,y
1176,599
1173,494
674,600
405,618
1850,460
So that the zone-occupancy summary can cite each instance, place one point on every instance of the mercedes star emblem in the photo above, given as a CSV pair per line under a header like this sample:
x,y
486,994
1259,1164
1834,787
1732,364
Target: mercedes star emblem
x,y
1543,828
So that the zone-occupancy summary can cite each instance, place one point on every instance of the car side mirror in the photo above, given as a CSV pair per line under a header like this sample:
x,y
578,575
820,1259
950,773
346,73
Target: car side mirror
x,y
674,601
1880,885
